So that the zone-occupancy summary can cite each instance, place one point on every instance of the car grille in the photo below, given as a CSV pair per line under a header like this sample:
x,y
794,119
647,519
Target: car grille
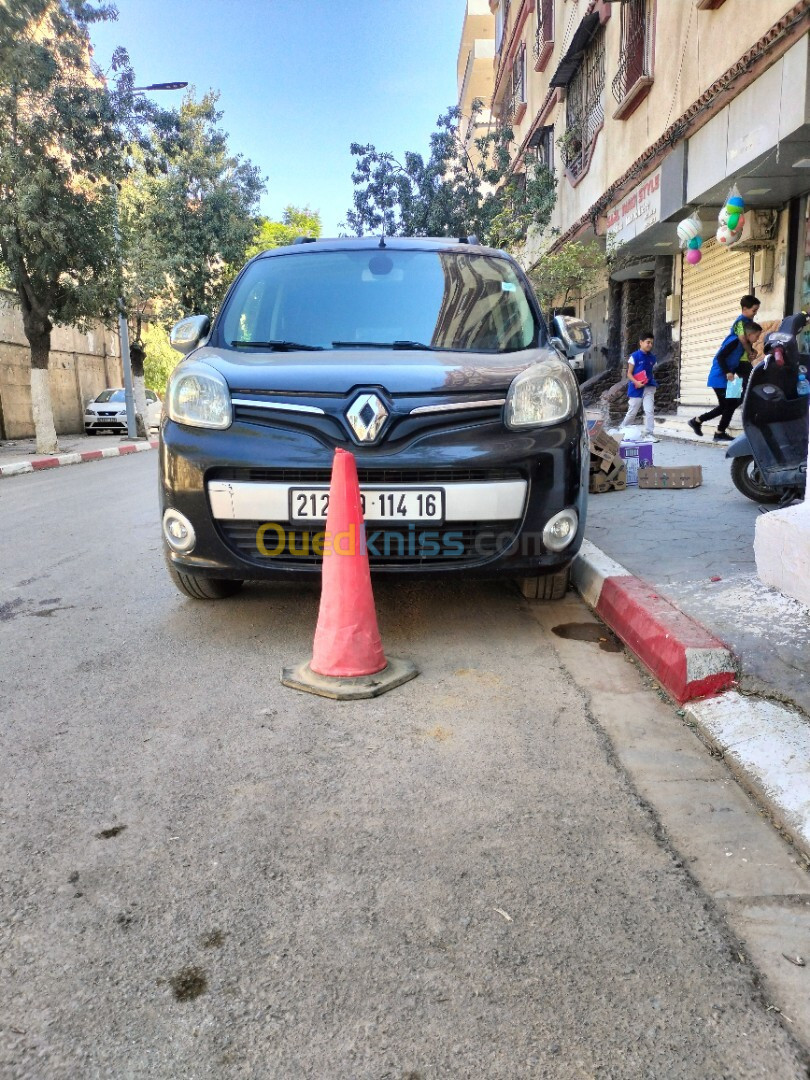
x,y
465,542
367,476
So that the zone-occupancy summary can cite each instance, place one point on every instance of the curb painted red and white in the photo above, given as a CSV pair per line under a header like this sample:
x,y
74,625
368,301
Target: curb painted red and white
x,y
15,468
684,657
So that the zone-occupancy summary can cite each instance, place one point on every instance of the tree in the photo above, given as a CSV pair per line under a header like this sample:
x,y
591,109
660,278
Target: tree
x,y
452,192
197,217
161,359
566,273
61,131
295,221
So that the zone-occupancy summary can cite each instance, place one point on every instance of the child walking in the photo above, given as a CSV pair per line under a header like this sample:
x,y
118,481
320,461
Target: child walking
x,y
736,356
641,386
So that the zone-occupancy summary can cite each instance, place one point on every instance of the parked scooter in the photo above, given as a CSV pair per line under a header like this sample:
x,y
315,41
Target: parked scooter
x,y
769,460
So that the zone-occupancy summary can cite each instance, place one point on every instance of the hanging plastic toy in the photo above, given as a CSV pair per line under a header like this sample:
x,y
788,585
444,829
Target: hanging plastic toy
x,y
690,235
731,218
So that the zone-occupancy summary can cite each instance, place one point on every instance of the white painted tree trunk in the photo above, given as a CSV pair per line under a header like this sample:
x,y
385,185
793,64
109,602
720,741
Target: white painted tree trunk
x,y
43,412
139,393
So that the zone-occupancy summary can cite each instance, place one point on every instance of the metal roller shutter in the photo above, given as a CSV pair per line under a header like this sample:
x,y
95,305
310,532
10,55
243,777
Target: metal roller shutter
x,y
711,299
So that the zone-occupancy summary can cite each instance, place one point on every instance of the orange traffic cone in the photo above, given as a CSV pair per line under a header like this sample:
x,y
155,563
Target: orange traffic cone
x,y
347,640
348,660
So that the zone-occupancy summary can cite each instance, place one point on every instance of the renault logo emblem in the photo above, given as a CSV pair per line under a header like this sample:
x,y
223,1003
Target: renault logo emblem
x,y
366,416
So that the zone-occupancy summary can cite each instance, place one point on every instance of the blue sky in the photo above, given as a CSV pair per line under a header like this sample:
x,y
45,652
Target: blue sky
x,y
300,80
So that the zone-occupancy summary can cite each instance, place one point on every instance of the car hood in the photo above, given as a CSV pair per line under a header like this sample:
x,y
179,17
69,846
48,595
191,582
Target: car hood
x,y
397,371
106,406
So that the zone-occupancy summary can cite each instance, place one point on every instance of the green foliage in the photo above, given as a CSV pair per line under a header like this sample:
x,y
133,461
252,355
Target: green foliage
x,y
567,273
161,358
295,221
453,192
188,213
61,132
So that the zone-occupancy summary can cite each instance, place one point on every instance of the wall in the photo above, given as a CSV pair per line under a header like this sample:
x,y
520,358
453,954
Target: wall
x,y
82,364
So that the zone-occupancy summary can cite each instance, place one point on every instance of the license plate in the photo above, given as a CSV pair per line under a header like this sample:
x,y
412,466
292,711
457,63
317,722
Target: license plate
x,y
379,504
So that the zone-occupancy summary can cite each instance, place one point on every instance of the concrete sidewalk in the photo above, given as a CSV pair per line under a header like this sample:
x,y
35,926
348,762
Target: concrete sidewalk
x,y
695,547
20,455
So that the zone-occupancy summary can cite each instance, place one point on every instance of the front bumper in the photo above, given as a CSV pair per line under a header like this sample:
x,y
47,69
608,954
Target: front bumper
x,y
501,487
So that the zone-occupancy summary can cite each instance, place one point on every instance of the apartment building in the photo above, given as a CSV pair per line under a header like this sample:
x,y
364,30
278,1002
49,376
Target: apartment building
x,y
648,110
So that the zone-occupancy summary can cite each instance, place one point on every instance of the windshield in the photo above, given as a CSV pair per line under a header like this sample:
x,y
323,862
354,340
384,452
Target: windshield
x,y
345,299
110,395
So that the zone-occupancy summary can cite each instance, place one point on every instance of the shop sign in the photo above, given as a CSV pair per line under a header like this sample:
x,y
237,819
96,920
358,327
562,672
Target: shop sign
x,y
637,211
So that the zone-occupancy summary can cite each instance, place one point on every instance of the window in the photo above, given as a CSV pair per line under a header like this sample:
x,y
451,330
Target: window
x,y
501,21
543,145
584,108
634,75
544,36
448,300
516,100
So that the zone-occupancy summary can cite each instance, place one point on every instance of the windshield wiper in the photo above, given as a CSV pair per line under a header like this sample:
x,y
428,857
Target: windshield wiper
x,y
382,345
277,346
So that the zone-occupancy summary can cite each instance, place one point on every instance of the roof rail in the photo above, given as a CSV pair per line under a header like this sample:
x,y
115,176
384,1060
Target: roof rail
x,y
305,239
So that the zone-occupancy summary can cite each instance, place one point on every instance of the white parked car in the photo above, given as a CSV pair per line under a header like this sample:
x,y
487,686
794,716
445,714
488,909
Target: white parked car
x,y
108,412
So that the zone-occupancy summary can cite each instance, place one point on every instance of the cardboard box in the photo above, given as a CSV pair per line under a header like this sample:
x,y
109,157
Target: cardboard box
x,y
614,481
636,456
603,445
670,476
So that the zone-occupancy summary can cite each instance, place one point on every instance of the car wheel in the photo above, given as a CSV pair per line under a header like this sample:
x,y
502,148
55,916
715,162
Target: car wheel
x,y
747,479
546,586
204,588
90,431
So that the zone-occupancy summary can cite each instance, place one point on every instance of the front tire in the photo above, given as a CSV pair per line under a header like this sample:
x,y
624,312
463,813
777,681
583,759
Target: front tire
x,y
203,588
546,586
747,479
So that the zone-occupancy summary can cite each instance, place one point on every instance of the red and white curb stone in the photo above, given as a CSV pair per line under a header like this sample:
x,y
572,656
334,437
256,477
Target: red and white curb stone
x,y
684,657
15,468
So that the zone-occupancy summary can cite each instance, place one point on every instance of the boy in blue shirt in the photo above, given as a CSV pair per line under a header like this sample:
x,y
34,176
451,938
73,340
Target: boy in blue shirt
x,y
734,357
641,386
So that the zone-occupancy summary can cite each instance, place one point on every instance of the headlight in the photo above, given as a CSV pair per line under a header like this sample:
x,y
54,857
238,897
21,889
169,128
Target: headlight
x,y
199,396
545,393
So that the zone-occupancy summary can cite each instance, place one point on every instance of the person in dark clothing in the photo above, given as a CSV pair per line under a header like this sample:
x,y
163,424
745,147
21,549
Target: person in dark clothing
x,y
735,357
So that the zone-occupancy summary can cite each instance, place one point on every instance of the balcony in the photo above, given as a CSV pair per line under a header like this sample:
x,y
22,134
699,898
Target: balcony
x,y
633,77
544,35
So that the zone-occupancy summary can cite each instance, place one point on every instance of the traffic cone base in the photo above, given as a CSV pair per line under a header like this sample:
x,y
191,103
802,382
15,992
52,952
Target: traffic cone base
x,y
395,673
348,661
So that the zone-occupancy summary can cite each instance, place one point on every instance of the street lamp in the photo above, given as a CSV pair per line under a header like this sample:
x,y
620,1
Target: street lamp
x,y
123,329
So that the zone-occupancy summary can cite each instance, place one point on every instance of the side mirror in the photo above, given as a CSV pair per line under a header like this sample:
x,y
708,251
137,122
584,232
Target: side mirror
x,y
189,333
573,334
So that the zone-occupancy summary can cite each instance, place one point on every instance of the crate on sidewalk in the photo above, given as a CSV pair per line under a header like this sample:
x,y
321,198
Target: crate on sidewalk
x,y
657,477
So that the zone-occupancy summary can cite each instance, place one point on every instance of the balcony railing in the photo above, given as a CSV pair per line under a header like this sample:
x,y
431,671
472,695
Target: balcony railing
x,y
635,61
544,35
585,111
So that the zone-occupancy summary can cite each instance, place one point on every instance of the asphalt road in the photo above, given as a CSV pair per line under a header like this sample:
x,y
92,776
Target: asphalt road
x,y
203,874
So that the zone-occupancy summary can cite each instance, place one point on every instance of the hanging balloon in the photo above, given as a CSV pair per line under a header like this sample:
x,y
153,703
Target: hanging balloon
x,y
695,243
725,236
733,222
723,216
736,204
688,229
693,256
741,221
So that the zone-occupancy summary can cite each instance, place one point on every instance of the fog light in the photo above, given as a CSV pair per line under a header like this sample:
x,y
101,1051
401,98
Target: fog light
x,y
179,531
560,530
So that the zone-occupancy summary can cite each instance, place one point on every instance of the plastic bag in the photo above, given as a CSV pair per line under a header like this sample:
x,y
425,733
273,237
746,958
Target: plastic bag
x,y
632,433
734,387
